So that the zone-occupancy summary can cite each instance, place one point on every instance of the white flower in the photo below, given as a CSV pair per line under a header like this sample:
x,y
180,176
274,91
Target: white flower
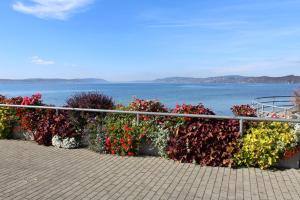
x,y
56,141
69,143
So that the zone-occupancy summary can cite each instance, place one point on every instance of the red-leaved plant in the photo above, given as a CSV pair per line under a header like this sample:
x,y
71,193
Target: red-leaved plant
x,y
244,110
53,123
147,106
29,117
204,141
92,100
289,153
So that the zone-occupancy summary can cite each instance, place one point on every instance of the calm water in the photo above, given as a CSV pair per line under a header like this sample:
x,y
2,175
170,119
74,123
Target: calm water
x,y
218,97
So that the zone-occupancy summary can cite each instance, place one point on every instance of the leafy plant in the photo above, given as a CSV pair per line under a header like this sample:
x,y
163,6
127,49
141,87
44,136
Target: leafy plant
x,y
7,122
93,100
147,106
265,144
295,147
152,126
123,135
29,117
96,134
52,124
244,110
159,137
2,99
203,141
69,143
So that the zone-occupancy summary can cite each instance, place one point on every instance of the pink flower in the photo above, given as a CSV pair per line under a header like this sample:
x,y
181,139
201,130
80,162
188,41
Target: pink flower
x,y
25,101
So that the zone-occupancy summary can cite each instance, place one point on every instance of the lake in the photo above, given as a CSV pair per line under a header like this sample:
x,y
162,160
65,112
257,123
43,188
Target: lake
x,y
218,97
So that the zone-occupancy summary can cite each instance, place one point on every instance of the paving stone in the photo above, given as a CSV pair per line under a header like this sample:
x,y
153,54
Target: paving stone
x,y
29,171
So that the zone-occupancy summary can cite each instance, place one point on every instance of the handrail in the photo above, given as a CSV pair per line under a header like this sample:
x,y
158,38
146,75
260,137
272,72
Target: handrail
x,y
269,97
138,113
268,105
273,104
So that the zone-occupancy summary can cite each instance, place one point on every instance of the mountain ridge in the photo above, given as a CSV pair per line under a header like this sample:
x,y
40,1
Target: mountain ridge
x,y
56,80
232,79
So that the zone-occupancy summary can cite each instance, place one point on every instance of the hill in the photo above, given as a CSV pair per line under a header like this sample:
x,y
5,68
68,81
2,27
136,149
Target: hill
x,y
290,79
55,80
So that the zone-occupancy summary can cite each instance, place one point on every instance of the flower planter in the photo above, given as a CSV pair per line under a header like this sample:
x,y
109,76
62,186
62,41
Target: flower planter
x,y
290,163
19,133
147,149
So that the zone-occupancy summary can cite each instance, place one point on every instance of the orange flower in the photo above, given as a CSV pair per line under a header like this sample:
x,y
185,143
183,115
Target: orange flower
x,y
126,128
125,147
130,141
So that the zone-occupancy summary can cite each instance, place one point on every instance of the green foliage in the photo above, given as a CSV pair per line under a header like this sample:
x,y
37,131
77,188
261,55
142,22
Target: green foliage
x,y
123,134
159,136
96,134
7,122
265,144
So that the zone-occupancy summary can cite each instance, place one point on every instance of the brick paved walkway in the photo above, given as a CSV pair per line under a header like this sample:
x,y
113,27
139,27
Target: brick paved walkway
x,y
30,171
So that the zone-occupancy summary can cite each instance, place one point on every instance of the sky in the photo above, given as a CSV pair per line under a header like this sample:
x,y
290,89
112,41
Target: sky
x,y
126,40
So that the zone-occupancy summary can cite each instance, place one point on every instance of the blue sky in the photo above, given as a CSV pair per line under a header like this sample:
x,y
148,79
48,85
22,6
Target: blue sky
x,y
123,40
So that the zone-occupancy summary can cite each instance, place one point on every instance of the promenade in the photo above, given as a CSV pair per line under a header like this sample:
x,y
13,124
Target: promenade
x,y
29,171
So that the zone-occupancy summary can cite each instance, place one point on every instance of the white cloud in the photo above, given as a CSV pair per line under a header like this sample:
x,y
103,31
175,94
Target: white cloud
x,y
39,61
55,9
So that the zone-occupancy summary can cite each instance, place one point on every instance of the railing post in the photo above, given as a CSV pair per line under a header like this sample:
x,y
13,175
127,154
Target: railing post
x,y
285,113
56,111
241,127
137,118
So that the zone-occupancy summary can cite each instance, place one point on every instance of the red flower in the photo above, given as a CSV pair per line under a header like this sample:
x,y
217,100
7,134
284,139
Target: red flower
x,y
125,147
141,136
122,140
112,152
126,128
130,141
146,118
26,101
107,141
130,154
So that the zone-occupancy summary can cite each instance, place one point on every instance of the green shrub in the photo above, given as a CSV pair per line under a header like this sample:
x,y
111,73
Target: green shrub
x,y
125,137
159,136
96,134
7,122
263,145
123,134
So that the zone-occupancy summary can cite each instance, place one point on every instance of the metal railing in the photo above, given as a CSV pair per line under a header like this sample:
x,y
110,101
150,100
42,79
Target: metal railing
x,y
273,104
138,113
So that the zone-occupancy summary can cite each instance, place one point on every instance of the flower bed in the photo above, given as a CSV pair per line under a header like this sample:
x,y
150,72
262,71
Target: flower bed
x,y
195,140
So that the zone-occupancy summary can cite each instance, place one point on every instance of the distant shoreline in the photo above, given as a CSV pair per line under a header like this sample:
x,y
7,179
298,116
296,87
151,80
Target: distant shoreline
x,y
290,79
